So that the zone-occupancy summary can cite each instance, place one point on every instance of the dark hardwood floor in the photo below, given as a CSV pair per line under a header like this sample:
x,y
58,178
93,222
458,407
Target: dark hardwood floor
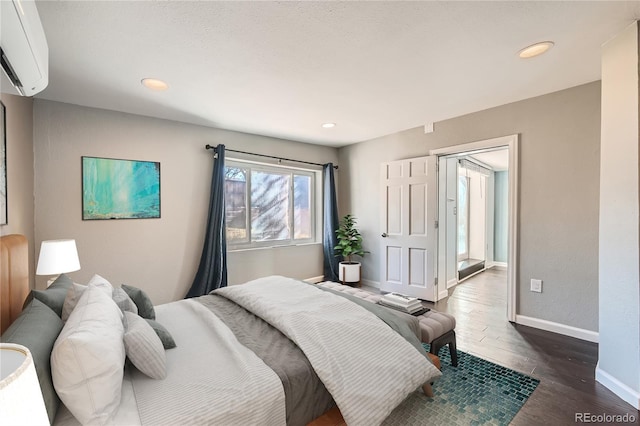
x,y
564,365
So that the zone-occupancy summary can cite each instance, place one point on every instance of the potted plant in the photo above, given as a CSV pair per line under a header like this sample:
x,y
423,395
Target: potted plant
x,y
349,245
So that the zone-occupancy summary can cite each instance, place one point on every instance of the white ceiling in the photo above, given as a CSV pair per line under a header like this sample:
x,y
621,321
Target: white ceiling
x,y
498,159
283,68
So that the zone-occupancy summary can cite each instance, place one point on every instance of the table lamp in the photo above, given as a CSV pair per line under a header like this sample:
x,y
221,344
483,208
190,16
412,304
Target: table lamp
x,y
57,257
21,401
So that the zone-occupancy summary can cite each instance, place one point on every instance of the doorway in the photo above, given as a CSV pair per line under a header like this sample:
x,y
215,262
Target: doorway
x,y
474,212
472,235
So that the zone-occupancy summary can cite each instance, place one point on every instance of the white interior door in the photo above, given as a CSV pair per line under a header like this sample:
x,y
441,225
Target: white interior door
x,y
408,227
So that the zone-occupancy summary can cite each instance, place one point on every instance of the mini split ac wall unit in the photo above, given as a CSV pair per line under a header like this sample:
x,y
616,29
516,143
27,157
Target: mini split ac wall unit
x,y
24,54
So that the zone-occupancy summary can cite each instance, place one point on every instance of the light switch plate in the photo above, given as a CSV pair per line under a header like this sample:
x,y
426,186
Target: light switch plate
x,y
536,285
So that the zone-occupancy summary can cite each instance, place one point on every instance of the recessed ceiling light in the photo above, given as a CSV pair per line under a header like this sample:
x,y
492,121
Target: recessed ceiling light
x,y
154,84
535,49
328,125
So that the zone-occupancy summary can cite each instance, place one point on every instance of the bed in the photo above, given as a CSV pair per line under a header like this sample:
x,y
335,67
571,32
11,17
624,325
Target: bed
x,y
241,355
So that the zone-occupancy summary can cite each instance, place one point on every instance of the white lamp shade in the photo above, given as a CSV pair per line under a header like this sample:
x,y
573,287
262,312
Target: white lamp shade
x,y
21,401
58,257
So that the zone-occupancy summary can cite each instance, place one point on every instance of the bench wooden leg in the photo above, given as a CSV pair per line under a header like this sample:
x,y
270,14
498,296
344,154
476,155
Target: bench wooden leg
x,y
453,352
448,338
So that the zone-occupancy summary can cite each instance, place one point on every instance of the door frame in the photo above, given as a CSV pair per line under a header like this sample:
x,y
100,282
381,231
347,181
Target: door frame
x,y
511,142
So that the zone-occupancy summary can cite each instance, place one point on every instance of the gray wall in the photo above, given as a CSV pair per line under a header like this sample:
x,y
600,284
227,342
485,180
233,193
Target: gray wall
x,y
158,255
19,137
559,191
501,217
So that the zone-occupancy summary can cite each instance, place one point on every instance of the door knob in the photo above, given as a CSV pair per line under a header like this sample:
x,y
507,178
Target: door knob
x,y
384,235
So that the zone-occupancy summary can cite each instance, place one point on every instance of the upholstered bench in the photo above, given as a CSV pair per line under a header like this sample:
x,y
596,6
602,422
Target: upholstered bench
x,y
437,328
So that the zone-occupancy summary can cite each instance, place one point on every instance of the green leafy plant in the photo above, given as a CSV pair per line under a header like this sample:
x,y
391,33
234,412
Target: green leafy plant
x,y
349,239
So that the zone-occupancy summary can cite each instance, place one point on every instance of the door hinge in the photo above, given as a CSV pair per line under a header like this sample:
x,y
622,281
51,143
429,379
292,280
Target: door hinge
x,y
436,281
436,226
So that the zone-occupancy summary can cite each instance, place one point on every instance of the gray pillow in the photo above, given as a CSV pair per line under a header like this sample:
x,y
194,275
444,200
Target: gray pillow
x,y
37,328
123,301
142,301
54,295
165,337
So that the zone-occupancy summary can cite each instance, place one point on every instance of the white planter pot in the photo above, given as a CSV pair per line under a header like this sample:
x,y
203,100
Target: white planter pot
x,y
349,272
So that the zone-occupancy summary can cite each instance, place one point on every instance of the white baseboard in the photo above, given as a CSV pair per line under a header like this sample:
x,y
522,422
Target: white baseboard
x,y
370,283
314,280
554,327
627,394
443,294
499,265
452,283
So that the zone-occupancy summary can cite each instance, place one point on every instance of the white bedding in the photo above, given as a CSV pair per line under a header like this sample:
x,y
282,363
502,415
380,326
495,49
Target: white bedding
x,y
360,369
211,379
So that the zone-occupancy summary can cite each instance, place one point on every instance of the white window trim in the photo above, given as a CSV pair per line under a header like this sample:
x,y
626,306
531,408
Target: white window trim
x,y
316,203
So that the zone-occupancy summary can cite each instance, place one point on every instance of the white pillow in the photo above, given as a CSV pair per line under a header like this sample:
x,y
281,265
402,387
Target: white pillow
x,y
144,348
87,361
76,290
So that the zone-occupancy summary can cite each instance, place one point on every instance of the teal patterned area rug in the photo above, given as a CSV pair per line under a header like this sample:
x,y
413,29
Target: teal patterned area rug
x,y
477,392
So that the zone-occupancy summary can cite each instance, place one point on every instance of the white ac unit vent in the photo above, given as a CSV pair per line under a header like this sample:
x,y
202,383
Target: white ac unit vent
x,y
24,54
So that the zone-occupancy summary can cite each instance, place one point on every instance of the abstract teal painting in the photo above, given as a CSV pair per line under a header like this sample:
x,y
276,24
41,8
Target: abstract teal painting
x,y
120,189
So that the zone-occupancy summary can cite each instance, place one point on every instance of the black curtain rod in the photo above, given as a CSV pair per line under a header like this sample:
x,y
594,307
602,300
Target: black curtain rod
x,y
268,156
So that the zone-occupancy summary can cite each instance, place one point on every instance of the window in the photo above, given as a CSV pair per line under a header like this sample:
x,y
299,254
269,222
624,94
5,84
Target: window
x,y
268,205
